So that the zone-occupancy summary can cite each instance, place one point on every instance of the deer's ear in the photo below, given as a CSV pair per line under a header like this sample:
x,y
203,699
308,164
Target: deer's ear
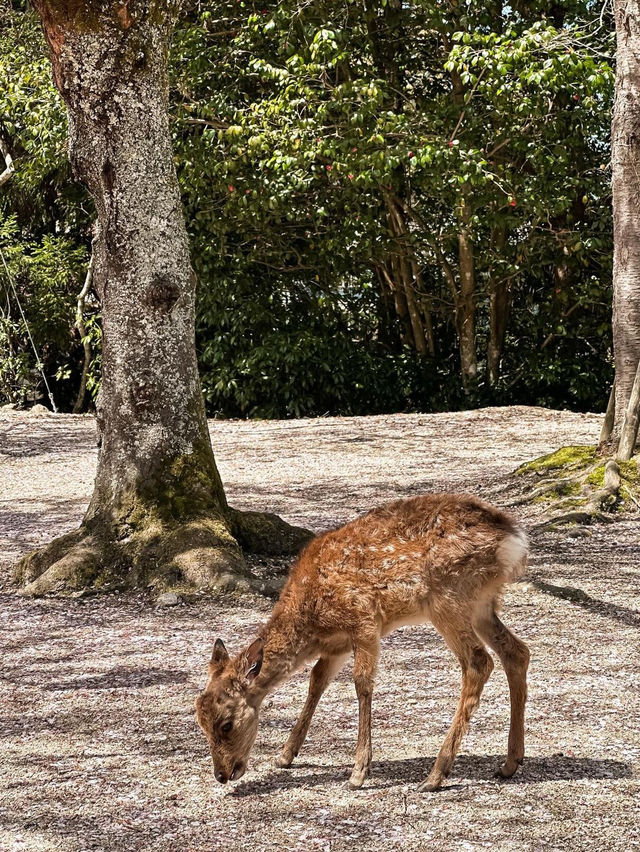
x,y
253,659
219,656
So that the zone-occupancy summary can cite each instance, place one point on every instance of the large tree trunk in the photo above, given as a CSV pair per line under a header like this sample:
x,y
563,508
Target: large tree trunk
x,y
626,207
158,512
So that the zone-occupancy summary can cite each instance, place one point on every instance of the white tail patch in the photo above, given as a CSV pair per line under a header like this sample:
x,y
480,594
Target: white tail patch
x,y
512,554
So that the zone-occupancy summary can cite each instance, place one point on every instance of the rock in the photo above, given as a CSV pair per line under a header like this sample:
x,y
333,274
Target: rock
x,y
38,411
578,532
168,599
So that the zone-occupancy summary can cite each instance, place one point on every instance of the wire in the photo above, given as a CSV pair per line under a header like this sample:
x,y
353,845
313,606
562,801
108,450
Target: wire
x,y
39,363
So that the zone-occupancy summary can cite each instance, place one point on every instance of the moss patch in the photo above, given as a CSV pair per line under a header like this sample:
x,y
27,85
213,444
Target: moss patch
x,y
569,458
571,483
263,532
559,490
628,474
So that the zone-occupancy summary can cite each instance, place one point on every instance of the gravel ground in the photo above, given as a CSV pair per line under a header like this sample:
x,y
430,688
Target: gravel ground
x,y
100,747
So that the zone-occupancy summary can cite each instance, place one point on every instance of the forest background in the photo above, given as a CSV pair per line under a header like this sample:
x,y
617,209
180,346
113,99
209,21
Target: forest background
x,y
406,209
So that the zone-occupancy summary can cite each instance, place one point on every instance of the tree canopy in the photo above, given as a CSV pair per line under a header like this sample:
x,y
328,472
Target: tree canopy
x,y
390,206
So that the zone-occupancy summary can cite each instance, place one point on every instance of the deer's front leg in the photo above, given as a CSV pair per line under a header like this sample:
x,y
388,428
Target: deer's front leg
x,y
321,676
364,666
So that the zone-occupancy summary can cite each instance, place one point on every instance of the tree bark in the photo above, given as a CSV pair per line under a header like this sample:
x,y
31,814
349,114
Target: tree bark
x,y
609,417
625,138
158,513
630,422
499,306
465,307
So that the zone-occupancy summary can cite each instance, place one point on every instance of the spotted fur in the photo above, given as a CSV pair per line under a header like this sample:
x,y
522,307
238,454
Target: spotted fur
x,y
440,558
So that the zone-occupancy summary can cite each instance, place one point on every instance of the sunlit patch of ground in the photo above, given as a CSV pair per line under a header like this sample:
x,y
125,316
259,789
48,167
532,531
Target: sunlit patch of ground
x,y
99,747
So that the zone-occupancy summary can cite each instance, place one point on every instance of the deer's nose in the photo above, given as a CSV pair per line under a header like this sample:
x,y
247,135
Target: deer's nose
x,y
220,776
238,771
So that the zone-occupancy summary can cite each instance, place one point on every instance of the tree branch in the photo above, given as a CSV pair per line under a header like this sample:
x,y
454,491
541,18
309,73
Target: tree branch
x,y
83,332
8,161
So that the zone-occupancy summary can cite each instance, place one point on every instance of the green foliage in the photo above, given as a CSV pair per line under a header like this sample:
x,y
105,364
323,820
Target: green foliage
x,y
293,135
297,129
37,284
44,223
304,356
14,362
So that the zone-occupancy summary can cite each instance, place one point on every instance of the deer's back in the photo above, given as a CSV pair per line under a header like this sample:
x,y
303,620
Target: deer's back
x,y
402,561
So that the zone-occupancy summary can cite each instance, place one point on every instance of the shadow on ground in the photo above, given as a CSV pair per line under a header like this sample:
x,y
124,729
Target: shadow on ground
x,y
391,773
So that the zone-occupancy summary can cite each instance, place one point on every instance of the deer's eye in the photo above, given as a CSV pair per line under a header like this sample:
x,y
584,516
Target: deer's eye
x,y
226,727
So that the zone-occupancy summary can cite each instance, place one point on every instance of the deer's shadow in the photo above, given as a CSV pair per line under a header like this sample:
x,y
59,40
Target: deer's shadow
x,y
467,768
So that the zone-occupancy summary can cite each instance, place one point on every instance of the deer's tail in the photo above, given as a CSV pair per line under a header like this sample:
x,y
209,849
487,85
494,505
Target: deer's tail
x,y
512,554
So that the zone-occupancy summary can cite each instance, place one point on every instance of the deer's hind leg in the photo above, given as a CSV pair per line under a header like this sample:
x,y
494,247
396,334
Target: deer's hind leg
x,y
322,674
514,656
476,666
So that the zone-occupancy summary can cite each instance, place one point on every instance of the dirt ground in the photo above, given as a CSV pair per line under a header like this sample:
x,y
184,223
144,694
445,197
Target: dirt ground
x,y
100,749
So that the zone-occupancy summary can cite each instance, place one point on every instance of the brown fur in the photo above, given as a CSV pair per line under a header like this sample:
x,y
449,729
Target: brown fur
x,y
440,558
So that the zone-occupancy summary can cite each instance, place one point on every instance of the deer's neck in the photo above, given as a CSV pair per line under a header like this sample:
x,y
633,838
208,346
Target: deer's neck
x,y
287,646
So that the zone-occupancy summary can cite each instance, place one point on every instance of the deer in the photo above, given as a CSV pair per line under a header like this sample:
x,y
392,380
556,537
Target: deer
x,y
439,558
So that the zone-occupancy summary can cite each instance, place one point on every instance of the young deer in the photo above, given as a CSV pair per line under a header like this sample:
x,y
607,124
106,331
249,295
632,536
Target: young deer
x,y
439,558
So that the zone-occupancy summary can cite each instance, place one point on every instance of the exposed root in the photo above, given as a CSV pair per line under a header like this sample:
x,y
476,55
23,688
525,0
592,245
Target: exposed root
x,y
563,519
199,554
169,532
159,554
579,487
68,563
263,532
551,489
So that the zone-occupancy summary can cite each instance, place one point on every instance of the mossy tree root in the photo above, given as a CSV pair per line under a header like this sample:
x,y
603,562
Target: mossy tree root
x,y
157,554
264,532
579,487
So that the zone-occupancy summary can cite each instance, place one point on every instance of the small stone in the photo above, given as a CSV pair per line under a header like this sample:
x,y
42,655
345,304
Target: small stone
x,y
168,599
578,532
81,593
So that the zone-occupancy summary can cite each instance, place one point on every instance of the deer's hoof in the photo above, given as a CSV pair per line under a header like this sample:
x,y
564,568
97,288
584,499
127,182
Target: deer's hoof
x,y
509,767
284,760
357,779
430,785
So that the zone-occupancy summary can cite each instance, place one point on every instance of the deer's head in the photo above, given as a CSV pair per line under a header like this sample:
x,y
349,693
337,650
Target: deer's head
x,y
227,711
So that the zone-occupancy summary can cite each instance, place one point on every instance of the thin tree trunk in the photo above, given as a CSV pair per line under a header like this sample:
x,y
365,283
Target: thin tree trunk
x,y
9,168
630,421
158,508
399,301
465,302
626,206
465,308
419,337
424,307
607,426
405,277
82,331
499,305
